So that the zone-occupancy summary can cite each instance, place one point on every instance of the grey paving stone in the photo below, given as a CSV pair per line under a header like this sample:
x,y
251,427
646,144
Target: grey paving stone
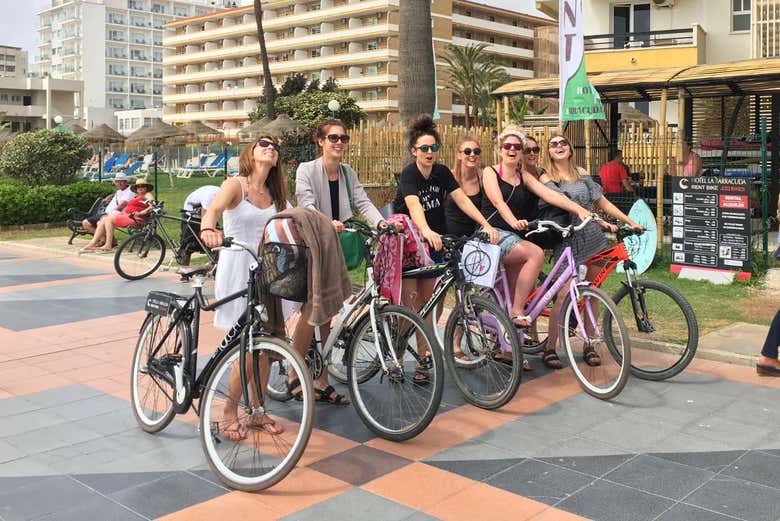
x,y
738,498
567,419
577,446
476,470
26,467
16,405
720,429
94,508
595,466
540,481
9,452
111,483
697,398
712,461
167,495
420,516
114,422
21,315
607,501
29,421
751,413
521,439
472,450
758,467
631,436
4,256
354,505
48,267
42,497
15,280
683,512
93,406
43,440
62,395
684,442
659,476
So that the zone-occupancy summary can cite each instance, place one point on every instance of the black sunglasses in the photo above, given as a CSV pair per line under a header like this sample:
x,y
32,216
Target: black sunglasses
x,y
510,146
468,151
335,137
264,143
530,150
424,148
559,143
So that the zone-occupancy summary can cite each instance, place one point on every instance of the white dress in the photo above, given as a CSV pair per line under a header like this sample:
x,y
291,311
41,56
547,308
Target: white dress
x,y
246,222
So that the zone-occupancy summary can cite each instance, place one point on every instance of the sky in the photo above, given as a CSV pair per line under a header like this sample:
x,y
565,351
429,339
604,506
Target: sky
x,y
17,25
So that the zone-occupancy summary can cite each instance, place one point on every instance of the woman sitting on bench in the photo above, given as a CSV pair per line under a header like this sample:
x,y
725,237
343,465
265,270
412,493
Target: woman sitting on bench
x,y
137,207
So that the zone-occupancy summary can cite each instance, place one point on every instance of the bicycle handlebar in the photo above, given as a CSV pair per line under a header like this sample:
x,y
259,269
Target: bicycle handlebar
x,y
539,226
228,243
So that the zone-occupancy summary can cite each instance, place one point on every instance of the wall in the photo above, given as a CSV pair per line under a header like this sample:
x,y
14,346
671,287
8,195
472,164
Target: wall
x,y
93,58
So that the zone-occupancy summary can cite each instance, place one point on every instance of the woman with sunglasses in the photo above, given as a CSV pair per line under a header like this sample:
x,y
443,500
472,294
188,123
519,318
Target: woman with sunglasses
x,y
469,177
332,188
565,177
511,200
530,157
246,203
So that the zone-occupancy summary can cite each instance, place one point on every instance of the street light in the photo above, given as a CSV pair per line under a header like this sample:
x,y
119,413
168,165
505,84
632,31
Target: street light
x,y
58,119
333,107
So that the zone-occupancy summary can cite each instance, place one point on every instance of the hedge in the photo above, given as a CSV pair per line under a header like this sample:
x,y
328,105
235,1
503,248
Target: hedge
x,y
20,204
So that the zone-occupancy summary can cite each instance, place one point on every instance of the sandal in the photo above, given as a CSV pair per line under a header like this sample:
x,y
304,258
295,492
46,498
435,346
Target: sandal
x,y
551,360
523,321
264,423
590,357
421,374
293,384
330,396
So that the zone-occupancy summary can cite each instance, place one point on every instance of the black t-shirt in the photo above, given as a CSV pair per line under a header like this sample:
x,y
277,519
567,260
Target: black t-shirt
x,y
458,223
334,199
432,193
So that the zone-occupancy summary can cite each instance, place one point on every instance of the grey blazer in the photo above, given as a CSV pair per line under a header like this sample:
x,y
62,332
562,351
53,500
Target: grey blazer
x,y
312,191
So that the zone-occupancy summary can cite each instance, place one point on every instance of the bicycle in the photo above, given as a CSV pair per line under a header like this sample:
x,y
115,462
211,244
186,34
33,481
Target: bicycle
x,y
487,365
581,329
660,349
377,347
144,251
234,422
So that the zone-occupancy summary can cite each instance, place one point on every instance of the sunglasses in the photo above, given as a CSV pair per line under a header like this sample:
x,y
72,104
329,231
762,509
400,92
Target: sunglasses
x,y
335,137
425,148
559,143
469,151
531,150
510,146
264,143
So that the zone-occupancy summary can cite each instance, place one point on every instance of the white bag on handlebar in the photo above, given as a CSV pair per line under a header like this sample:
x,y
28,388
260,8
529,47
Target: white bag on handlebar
x,y
480,261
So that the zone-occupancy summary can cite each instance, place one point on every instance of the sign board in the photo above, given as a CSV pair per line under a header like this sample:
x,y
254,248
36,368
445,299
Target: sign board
x,y
711,224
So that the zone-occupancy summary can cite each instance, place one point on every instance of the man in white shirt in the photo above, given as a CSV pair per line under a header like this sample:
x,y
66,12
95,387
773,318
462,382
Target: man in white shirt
x,y
116,202
195,205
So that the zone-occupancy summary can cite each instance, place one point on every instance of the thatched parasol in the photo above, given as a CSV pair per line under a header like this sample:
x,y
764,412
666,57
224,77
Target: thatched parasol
x,y
199,130
630,114
156,134
75,128
101,136
283,125
256,129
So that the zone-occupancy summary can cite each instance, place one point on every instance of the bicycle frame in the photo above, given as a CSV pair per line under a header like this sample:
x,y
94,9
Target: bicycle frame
x,y
156,225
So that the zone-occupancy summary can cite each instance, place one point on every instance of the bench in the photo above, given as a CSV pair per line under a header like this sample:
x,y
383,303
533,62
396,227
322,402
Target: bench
x,y
76,217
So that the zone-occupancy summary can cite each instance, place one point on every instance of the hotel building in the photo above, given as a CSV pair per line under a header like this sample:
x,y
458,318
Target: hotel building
x,y
113,46
212,71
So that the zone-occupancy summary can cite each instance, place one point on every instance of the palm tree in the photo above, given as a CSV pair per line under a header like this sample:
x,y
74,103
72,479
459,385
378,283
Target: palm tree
x,y
416,74
269,92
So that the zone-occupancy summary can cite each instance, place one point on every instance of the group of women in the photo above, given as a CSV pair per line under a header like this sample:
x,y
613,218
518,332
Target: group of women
x,y
499,199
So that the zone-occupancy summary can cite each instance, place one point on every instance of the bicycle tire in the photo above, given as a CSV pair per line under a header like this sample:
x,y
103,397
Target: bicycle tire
x,y
232,460
590,377
149,417
487,325
405,418
658,355
137,257
277,382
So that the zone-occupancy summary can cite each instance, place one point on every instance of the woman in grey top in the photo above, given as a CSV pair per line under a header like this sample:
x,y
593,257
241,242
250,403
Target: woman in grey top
x,y
333,188
564,176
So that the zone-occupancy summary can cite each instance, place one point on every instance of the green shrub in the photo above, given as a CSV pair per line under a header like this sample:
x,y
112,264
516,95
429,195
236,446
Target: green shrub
x,y
21,204
43,157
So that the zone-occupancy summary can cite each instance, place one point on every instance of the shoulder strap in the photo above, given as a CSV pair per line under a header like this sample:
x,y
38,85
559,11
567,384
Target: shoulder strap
x,y
346,182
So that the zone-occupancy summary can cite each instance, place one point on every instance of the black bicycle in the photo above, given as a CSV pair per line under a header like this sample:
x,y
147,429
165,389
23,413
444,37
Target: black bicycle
x,y
251,443
142,253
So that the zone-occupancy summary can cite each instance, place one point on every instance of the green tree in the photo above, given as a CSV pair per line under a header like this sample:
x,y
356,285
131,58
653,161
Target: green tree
x,y
330,85
43,157
269,92
520,107
293,85
314,85
309,108
416,73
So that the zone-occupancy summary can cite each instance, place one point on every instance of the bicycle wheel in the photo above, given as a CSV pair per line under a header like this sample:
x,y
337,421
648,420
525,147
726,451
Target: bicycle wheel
x,y
488,369
152,381
396,402
139,256
277,381
607,379
664,332
535,338
236,438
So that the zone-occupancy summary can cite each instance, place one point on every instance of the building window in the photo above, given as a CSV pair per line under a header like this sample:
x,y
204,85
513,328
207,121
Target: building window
x,y
315,29
514,43
371,70
117,36
468,36
740,15
372,46
10,68
371,20
135,4
315,53
179,11
371,95
630,18
492,18
514,65
158,8
492,40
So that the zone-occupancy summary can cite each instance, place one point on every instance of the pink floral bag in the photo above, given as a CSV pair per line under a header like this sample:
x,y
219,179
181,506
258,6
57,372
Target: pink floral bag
x,y
394,253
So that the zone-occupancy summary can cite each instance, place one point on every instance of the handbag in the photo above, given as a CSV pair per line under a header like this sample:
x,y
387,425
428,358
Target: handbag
x,y
352,244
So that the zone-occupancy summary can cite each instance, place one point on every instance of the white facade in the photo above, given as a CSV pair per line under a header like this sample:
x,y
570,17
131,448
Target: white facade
x,y
13,62
33,103
128,121
113,46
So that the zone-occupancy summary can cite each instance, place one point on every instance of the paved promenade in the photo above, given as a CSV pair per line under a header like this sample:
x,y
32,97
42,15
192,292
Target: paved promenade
x,y
703,446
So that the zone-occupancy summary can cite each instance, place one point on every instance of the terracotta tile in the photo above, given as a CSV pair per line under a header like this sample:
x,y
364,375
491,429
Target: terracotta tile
x,y
55,283
553,514
323,444
360,464
22,372
418,486
33,385
236,506
301,489
471,503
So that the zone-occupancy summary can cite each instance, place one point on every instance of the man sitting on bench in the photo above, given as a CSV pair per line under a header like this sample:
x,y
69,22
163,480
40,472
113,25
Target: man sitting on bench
x,y
116,202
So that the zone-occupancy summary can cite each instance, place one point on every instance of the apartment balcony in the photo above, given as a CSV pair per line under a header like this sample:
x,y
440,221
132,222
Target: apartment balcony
x,y
116,72
496,48
278,46
116,89
283,67
377,80
643,50
22,111
378,105
116,22
139,58
520,74
116,56
478,24
274,24
200,115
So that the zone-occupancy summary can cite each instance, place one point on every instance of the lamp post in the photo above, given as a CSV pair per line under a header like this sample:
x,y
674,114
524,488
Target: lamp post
x,y
333,107
58,119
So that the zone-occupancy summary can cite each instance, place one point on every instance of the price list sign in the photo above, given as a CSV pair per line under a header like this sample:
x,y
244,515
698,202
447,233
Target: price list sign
x,y
711,223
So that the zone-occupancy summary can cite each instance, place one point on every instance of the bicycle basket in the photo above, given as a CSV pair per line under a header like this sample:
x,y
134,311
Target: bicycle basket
x,y
285,269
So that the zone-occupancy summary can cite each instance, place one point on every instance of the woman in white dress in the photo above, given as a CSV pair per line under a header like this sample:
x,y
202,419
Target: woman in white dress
x,y
246,203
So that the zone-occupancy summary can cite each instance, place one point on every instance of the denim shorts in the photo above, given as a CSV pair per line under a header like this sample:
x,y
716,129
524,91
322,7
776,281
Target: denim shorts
x,y
507,241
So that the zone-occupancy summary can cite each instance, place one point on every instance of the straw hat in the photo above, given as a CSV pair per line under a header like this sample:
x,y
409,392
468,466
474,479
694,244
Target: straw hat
x,y
141,182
